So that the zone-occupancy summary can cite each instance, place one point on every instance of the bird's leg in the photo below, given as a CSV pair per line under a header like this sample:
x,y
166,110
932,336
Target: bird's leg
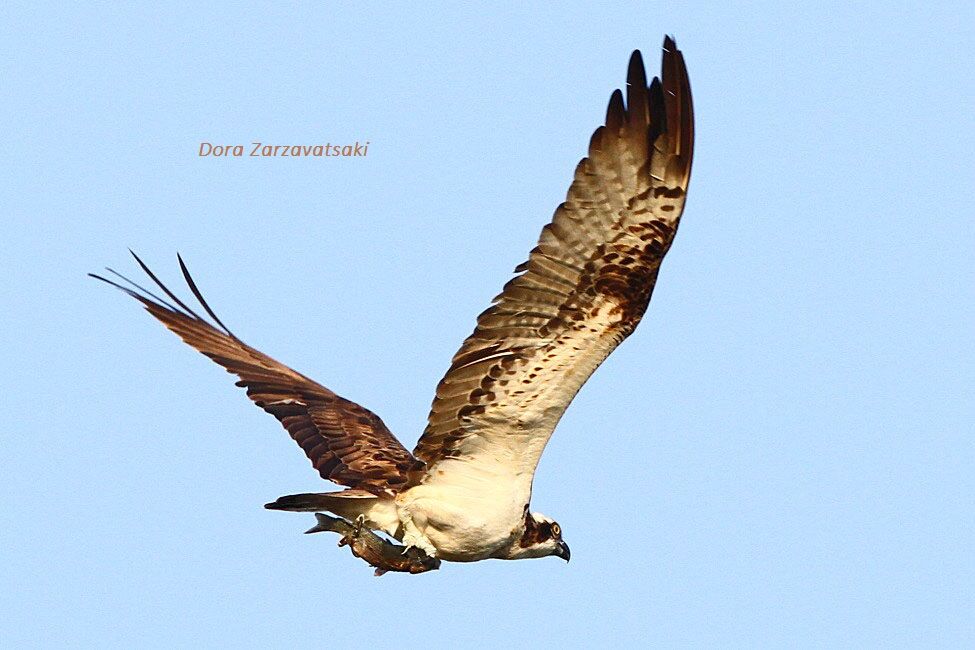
x,y
414,539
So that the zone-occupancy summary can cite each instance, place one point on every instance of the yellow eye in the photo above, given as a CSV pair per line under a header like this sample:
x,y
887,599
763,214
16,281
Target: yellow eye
x,y
556,530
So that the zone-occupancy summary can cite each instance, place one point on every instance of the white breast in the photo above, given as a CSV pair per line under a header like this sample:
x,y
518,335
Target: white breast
x,y
474,515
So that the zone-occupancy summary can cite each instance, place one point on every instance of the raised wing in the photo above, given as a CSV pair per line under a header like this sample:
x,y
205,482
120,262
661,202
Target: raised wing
x,y
582,291
346,443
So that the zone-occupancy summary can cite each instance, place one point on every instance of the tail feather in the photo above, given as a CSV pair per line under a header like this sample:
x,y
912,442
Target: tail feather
x,y
331,501
303,502
380,514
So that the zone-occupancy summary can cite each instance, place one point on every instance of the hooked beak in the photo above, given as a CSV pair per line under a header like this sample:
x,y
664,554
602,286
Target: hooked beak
x,y
562,551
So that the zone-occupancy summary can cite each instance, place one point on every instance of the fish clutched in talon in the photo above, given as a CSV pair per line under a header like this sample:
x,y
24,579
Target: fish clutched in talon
x,y
372,548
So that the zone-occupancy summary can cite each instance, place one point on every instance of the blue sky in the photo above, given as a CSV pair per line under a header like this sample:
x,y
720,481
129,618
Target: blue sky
x,y
781,455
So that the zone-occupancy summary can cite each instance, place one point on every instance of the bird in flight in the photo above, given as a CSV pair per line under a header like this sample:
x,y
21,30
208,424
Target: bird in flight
x,y
463,494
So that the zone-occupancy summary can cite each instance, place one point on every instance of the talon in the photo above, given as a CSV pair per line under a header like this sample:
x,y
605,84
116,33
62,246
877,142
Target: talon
x,y
357,525
416,552
419,553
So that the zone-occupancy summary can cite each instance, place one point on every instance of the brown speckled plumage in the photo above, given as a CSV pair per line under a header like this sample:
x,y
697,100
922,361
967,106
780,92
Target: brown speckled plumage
x,y
588,282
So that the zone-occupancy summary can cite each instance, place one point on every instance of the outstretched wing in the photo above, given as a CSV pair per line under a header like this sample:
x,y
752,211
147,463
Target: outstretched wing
x,y
346,443
582,291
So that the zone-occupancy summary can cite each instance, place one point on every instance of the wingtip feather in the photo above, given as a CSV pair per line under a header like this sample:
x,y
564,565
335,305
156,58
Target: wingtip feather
x,y
636,70
199,295
615,112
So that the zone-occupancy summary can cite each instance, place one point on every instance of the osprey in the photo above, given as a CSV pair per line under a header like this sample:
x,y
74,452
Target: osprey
x,y
463,494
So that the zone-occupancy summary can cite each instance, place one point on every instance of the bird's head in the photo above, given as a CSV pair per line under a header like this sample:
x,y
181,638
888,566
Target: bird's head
x,y
542,537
